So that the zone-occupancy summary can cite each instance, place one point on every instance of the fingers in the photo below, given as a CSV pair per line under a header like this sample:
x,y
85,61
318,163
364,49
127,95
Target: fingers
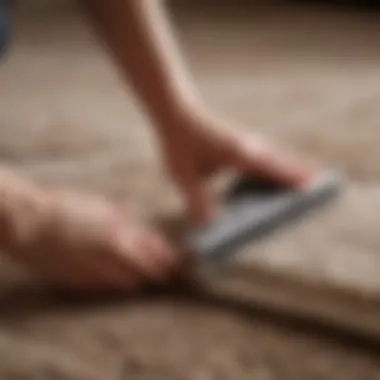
x,y
257,157
252,156
128,261
147,254
201,203
90,243
132,252
122,261
190,179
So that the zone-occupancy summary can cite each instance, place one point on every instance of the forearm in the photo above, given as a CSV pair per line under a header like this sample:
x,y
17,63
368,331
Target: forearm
x,y
139,36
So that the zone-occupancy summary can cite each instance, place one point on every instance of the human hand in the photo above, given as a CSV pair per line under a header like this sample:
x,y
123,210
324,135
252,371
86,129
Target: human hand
x,y
88,243
198,144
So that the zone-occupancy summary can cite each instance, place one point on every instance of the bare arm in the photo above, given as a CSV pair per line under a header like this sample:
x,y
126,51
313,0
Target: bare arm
x,y
203,142
139,36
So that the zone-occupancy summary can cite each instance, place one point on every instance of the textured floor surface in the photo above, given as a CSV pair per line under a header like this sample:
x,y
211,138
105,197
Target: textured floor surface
x,y
307,76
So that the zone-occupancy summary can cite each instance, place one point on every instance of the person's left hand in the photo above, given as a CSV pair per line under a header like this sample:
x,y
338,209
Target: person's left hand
x,y
85,242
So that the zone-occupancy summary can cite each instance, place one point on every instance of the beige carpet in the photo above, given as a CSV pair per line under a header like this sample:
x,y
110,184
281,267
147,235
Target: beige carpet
x,y
306,76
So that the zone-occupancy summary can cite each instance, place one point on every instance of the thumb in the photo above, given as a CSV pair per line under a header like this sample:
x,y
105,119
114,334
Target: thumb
x,y
201,204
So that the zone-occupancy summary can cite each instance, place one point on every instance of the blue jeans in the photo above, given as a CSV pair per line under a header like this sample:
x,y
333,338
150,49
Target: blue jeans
x,y
5,24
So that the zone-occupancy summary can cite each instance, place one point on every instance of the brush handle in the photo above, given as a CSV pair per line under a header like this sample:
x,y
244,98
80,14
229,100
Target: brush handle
x,y
254,210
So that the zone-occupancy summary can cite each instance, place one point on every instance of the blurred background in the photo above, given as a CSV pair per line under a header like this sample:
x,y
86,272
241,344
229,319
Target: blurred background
x,y
306,73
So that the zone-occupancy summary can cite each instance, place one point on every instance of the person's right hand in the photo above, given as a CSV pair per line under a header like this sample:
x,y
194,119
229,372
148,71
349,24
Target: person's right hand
x,y
87,242
197,144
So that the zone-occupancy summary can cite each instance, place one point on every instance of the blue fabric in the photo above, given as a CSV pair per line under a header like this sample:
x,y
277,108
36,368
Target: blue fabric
x,y
5,24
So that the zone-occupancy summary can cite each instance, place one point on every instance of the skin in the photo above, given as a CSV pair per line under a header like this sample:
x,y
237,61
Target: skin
x,y
88,242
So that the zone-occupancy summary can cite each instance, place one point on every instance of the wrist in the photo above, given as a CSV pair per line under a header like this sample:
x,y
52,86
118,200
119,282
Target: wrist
x,y
176,112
